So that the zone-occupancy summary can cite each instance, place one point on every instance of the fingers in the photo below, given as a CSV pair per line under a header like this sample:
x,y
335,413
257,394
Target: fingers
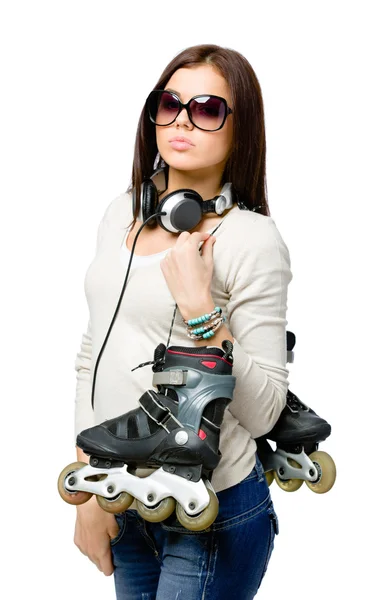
x,y
183,237
97,548
114,532
106,564
192,238
103,560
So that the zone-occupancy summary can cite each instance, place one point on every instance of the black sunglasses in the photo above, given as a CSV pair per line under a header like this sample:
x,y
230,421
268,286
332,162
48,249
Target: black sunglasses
x,y
206,112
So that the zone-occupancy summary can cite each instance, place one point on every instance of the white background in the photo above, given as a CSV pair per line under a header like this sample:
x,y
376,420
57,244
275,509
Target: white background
x,y
74,77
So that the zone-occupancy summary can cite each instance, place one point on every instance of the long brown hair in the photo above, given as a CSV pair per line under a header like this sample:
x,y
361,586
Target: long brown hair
x,y
246,165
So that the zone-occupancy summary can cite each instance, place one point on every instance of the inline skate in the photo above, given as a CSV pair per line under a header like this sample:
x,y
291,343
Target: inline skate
x,y
297,435
175,430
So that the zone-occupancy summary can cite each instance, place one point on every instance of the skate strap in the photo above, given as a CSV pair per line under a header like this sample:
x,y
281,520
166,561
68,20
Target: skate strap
x,y
153,407
174,377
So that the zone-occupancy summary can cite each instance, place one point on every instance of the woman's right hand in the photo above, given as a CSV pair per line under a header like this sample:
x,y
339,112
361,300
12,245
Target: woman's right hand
x,y
94,528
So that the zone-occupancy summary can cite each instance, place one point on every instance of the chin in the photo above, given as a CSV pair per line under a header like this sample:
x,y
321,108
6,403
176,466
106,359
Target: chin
x,y
184,163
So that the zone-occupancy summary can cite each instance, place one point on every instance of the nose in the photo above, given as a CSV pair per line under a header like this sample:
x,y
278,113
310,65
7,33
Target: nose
x,y
183,119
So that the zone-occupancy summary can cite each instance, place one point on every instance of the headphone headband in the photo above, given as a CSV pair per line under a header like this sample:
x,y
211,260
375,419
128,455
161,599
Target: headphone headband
x,y
221,202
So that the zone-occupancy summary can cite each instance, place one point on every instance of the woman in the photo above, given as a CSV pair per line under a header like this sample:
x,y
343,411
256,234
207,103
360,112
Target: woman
x,y
245,269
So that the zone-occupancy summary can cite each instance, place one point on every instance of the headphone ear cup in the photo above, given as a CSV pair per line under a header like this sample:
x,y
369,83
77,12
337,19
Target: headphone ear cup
x,y
148,202
183,208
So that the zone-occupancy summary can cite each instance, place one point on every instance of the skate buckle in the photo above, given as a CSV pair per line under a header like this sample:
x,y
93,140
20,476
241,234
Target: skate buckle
x,y
176,377
172,377
164,420
161,416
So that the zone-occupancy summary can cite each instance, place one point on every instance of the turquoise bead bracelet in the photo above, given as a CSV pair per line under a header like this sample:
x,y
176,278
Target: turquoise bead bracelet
x,y
204,332
212,324
203,318
205,329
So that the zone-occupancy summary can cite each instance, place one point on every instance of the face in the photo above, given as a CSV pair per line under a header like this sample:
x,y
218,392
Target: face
x,y
209,149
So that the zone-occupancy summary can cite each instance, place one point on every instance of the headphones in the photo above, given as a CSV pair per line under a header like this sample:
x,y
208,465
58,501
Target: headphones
x,y
184,208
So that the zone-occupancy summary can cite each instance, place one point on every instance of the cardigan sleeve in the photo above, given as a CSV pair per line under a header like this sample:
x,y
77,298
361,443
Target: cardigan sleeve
x,y
83,411
84,415
256,314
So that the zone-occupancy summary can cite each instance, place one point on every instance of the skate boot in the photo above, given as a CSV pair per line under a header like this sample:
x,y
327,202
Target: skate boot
x,y
175,430
297,435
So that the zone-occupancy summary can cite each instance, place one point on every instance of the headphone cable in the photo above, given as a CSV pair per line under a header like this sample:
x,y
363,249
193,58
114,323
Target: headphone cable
x,y
119,302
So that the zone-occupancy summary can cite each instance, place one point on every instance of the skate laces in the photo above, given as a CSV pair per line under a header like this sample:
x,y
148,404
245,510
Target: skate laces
x,y
155,363
150,362
158,359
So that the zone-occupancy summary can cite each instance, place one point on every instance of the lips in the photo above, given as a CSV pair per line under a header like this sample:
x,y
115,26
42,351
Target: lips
x,y
180,143
180,138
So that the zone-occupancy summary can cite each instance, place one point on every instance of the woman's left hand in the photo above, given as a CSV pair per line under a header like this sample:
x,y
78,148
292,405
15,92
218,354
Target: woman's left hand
x,y
188,273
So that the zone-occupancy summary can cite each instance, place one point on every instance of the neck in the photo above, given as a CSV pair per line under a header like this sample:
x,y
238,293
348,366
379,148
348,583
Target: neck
x,y
206,182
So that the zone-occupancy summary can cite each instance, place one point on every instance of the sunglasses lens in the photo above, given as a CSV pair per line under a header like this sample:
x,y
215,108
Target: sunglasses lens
x,y
208,112
163,107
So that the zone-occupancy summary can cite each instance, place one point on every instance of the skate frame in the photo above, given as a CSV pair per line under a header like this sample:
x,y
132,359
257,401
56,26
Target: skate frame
x,y
278,460
192,495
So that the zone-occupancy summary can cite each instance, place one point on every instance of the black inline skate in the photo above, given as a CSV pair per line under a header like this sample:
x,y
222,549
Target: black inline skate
x,y
176,431
297,435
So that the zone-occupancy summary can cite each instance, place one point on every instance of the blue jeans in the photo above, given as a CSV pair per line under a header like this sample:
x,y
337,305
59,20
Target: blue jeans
x,y
165,561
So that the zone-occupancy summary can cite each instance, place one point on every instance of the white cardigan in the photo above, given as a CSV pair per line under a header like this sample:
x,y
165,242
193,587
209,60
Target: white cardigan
x,y
250,282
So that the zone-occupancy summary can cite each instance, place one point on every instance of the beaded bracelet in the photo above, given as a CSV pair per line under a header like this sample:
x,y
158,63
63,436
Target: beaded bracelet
x,y
206,332
213,320
191,322
209,325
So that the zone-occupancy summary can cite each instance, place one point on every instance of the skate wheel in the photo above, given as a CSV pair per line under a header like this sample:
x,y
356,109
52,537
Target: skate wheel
x,y
327,470
269,477
118,505
159,512
75,498
204,519
289,485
